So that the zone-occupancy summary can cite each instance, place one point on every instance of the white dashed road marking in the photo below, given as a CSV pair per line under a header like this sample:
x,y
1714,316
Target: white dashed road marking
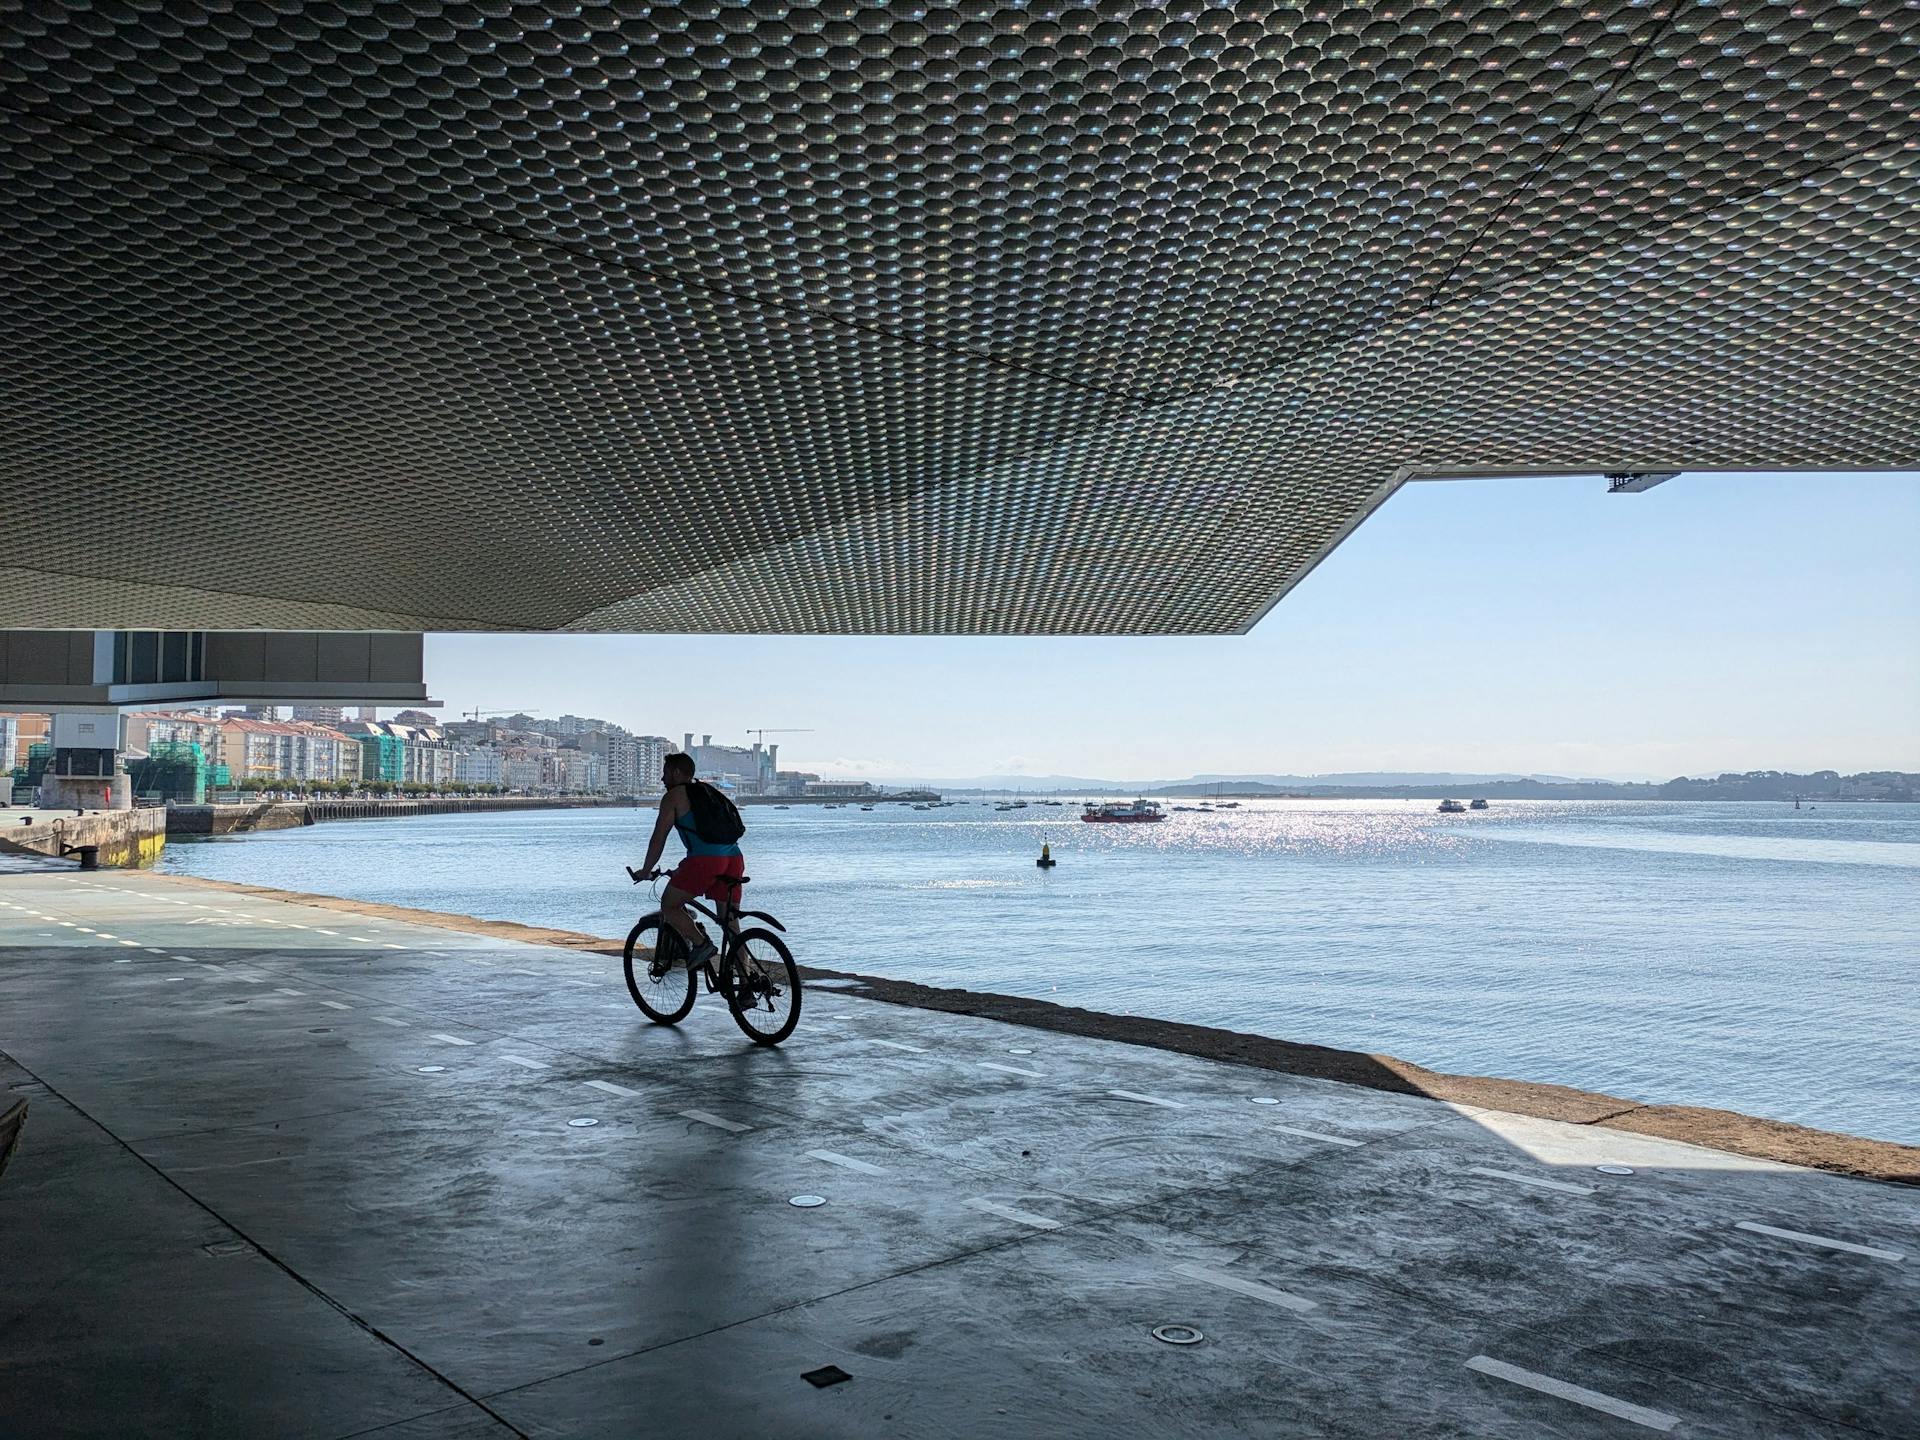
x,y
611,1088
1824,1240
896,1045
708,1118
282,990
450,1039
1250,1288
1009,1212
1579,1395
524,1062
1316,1135
845,1162
232,1165
1533,1180
1012,1069
1147,1099
335,1005
389,1020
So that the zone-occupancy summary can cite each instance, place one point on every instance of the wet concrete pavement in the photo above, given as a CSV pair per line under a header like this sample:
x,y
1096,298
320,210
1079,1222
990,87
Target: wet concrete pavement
x,y
290,1171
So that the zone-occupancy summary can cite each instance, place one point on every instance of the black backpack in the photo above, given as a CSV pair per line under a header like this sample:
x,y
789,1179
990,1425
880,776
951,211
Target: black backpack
x,y
716,819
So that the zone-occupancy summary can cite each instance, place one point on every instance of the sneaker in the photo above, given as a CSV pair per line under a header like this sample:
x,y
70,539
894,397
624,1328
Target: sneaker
x,y
702,954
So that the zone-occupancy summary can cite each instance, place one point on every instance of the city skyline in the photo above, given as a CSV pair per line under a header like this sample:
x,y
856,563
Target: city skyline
x,y
1719,622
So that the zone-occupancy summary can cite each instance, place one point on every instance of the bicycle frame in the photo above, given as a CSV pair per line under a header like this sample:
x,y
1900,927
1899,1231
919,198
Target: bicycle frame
x,y
727,914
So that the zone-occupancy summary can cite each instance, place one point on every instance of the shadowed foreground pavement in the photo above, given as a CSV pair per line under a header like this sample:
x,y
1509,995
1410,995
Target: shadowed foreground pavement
x,y
294,1172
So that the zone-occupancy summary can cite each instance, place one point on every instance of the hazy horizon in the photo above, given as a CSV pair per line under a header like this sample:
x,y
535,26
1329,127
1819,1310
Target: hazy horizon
x,y
1518,626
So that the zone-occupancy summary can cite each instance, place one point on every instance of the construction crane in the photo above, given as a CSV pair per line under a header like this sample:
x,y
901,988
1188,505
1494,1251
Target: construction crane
x,y
476,715
766,730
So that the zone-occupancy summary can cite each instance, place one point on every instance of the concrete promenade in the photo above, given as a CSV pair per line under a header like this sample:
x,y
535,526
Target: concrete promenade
x,y
291,1171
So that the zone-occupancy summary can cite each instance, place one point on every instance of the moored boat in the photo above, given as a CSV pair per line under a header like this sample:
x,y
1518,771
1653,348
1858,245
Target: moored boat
x,y
1452,807
1140,812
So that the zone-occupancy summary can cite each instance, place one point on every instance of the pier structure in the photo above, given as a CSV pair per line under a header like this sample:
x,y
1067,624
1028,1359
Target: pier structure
x,y
306,1167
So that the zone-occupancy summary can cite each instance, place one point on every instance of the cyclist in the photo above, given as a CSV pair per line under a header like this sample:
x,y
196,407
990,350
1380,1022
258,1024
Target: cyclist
x,y
707,865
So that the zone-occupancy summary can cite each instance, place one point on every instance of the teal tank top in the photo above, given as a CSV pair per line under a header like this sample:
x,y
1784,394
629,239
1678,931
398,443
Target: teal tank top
x,y
690,837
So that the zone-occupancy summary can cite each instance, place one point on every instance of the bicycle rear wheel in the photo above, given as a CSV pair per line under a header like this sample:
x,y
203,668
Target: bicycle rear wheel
x,y
657,974
762,986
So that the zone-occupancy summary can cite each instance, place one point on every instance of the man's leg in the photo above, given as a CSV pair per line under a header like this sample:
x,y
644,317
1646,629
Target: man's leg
x,y
673,910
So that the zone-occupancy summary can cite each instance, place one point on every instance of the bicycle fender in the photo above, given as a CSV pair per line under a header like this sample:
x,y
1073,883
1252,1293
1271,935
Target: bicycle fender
x,y
762,915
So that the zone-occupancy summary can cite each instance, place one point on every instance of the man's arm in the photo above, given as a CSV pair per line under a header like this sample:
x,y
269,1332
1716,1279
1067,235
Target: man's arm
x,y
670,805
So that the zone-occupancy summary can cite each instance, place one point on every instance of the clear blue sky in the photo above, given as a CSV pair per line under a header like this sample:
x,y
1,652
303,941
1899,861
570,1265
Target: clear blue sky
x,y
1718,622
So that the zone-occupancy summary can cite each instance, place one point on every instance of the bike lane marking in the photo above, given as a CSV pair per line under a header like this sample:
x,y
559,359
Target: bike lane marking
x,y
706,1117
1578,1394
1823,1240
1317,1135
1253,1289
1148,1099
1009,1212
1533,1180
610,1088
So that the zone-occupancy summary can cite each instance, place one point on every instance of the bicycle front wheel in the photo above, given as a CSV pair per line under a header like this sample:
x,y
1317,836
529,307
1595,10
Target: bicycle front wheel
x,y
658,976
762,986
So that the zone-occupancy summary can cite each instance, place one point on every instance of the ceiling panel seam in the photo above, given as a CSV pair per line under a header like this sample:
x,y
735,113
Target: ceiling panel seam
x,y
1545,163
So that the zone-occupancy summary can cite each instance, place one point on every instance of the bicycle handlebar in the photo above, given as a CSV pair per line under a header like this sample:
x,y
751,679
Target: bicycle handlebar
x,y
639,875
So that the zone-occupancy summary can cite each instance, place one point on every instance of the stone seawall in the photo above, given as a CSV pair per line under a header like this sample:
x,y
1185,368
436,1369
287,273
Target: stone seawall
x,y
291,814
126,838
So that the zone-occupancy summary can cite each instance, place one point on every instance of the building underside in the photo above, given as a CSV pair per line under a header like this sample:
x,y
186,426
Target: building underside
x,y
1035,319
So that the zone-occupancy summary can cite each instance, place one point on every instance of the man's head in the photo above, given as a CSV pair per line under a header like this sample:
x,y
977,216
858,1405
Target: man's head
x,y
676,769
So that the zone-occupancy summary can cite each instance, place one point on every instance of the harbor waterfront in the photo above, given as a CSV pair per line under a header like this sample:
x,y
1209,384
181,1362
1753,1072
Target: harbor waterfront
x,y
1748,957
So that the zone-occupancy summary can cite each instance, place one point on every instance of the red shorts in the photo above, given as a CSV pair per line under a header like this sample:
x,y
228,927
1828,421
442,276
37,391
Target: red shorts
x,y
700,875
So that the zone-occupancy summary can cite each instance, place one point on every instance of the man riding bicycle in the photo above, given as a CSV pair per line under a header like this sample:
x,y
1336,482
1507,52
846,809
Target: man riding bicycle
x,y
708,866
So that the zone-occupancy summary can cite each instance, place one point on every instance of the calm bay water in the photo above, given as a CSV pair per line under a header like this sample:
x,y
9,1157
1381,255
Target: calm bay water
x,y
1744,956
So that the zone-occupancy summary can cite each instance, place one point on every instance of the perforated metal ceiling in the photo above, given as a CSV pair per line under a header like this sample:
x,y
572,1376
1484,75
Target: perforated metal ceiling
x,y
756,316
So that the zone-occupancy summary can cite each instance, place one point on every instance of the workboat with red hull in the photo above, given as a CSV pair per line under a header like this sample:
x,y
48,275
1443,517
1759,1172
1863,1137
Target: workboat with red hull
x,y
1140,812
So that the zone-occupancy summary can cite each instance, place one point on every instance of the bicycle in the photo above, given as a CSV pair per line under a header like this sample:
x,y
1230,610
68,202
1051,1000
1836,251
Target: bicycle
x,y
755,970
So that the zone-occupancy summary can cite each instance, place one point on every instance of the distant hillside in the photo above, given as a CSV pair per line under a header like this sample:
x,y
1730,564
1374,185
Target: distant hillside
x,y
1753,785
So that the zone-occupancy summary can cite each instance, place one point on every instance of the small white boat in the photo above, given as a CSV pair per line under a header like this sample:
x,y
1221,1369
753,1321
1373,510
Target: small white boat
x,y
1452,807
